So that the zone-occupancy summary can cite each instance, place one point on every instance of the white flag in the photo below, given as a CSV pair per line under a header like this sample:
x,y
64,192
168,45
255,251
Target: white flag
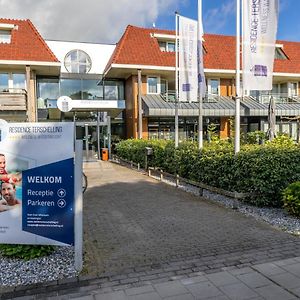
x,y
260,19
201,76
187,53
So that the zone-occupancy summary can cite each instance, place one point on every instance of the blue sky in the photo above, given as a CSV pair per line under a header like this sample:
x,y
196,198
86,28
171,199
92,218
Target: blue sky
x,y
219,17
103,21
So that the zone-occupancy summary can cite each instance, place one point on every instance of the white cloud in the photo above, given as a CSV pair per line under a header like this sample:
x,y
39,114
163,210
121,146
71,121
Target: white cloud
x,y
215,19
85,20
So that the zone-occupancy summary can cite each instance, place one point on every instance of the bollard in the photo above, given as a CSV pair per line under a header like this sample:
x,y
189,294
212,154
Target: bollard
x,y
161,175
177,180
138,166
149,172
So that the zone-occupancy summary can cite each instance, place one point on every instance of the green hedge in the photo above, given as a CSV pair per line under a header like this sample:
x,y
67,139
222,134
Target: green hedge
x,y
291,199
263,171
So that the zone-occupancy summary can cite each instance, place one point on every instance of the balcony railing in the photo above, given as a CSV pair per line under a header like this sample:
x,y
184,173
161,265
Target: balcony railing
x,y
13,99
278,97
170,96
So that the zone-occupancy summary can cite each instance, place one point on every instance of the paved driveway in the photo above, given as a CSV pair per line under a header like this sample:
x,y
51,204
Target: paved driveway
x,y
133,223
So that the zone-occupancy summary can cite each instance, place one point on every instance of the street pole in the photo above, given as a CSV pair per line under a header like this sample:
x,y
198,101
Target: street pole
x,y
176,81
140,125
238,82
200,116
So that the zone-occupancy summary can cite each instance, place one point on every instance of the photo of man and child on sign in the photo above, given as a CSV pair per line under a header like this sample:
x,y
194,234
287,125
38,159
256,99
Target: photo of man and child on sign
x,y
8,186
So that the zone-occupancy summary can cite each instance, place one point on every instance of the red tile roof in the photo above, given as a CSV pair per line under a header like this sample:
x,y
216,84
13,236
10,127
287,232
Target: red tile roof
x,y
137,46
26,44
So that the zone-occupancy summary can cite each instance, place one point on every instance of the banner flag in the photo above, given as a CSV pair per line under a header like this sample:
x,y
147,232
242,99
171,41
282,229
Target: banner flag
x,y
260,19
201,76
188,66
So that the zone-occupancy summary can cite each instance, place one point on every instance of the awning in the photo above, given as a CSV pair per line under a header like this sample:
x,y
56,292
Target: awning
x,y
219,106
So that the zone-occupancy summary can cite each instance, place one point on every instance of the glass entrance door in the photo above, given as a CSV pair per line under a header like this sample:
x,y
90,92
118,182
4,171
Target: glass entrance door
x,y
88,134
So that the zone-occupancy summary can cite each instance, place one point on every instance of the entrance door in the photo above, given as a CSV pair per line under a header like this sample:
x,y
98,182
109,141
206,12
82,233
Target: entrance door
x,y
88,134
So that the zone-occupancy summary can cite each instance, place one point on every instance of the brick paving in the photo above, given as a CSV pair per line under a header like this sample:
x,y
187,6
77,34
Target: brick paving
x,y
133,223
146,240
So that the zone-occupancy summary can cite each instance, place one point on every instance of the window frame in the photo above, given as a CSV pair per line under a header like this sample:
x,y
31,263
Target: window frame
x,y
158,89
209,86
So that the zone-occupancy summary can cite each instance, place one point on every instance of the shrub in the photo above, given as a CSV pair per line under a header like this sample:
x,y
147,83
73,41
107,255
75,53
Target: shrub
x,y
263,171
291,199
25,252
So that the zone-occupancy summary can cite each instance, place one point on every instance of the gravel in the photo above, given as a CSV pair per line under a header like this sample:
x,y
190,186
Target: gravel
x,y
276,217
58,265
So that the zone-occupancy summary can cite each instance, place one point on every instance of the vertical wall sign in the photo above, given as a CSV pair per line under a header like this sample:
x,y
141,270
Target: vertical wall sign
x,y
37,183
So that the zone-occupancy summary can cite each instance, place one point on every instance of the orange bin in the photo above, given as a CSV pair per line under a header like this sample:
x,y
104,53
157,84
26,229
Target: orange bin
x,y
104,154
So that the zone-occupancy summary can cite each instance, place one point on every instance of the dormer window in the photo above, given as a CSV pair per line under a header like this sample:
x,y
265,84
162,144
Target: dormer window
x,y
279,53
167,46
5,36
5,32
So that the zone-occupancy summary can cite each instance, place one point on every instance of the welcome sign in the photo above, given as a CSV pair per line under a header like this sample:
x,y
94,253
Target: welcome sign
x,y
37,183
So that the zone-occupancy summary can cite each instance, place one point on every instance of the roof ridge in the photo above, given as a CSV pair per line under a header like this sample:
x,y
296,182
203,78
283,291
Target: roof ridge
x,y
42,40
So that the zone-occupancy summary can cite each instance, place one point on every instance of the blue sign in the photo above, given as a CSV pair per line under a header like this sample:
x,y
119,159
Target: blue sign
x,y
47,201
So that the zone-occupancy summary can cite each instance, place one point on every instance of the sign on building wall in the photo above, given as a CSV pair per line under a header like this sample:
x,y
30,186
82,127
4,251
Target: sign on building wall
x,y
37,183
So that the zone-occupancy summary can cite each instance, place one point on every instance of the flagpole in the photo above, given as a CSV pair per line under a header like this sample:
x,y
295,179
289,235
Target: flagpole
x,y
200,116
176,81
238,80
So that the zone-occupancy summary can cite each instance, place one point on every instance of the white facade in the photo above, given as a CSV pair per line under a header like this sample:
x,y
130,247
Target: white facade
x,y
99,53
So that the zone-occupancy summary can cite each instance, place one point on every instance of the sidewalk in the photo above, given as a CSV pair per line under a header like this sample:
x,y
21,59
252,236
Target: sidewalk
x,y
279,280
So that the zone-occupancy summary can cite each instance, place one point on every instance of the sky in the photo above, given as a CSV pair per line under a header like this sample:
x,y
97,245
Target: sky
x,y
104,21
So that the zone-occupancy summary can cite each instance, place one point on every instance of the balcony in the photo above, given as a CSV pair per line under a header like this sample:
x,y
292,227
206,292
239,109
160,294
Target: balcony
x,y
13,100
280,98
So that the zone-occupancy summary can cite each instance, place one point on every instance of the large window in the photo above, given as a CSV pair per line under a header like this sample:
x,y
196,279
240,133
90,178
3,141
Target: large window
x,y
48,88
77,61
91,91
12,81
71,88
113,90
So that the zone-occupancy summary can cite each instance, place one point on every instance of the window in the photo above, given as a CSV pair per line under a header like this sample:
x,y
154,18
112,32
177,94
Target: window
x,y
163,86
77,61
71,88
113,90
5,36
293,89
12,81
213,86
279,54
48,88
18,81
166,46
3,81
152,83
91,91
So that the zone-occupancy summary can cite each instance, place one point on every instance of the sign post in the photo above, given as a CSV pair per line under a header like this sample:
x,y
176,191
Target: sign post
x,y
78,205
